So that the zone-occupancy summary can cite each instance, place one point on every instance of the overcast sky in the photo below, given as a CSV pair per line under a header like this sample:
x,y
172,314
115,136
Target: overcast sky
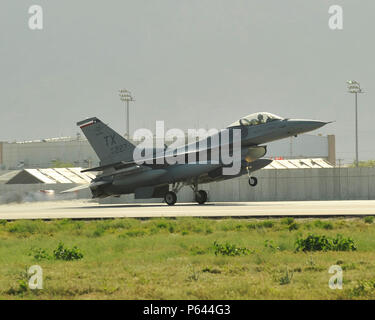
x,y
190,63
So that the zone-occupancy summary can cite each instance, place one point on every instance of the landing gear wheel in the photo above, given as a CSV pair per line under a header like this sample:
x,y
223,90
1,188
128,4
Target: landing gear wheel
x,y
253,181
201,197
170,198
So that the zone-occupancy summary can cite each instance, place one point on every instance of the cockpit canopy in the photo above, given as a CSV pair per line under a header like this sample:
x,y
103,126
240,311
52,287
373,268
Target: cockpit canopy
x,y
255,119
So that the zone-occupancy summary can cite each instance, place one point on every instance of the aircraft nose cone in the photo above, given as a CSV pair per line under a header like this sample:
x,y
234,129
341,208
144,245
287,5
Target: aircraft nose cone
x,y
315,124
301,125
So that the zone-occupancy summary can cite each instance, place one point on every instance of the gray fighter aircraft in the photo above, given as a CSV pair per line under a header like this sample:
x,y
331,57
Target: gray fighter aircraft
x,y
120,173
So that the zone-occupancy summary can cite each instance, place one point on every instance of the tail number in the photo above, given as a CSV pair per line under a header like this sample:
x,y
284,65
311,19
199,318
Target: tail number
x,y
119,149
110,140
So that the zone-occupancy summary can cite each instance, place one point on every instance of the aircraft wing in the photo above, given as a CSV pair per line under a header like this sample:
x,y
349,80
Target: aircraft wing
x,y
151,162
253,154
116,166
122,165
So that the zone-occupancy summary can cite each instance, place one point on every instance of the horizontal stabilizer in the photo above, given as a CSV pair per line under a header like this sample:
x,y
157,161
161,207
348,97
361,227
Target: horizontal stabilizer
x,y
75,189
116,166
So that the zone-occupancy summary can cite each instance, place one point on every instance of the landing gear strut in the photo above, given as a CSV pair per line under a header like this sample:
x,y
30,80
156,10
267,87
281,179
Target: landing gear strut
x,y
252,180
171,196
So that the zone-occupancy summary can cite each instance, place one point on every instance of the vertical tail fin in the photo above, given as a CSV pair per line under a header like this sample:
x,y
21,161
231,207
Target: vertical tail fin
x,y
107,143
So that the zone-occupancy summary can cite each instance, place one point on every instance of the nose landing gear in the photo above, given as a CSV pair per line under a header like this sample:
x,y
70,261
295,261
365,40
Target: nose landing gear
x,y
252,180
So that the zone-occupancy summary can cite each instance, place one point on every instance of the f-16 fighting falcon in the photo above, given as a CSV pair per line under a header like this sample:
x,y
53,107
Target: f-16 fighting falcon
x,y
157,177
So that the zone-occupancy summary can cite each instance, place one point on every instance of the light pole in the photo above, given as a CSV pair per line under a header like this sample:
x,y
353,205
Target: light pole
x,y
126,96
355,87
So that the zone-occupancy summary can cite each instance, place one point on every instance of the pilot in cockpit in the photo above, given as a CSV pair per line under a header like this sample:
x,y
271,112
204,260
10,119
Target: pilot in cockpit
x,y
260,118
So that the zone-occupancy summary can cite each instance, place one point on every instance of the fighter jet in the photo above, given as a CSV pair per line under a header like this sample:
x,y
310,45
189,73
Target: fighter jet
x,y
120,173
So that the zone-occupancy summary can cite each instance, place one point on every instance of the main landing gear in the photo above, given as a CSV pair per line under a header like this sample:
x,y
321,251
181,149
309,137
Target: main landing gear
x,y
252,180
200,195
171,196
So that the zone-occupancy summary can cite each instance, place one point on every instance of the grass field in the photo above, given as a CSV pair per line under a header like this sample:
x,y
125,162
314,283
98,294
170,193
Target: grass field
x,y
175,259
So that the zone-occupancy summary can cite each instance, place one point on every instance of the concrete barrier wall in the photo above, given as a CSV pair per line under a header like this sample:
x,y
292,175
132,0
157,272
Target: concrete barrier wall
x,y
285,185
273,185
299,184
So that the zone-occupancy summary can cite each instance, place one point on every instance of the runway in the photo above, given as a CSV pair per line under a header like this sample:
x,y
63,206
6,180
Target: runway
x,y
80,209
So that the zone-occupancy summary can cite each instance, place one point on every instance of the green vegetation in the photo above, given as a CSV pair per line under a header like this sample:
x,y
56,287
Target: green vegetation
x,y
363,288
39,254
364,164
62,253
322,243
287,277
369,219
229,250
188,258
61,164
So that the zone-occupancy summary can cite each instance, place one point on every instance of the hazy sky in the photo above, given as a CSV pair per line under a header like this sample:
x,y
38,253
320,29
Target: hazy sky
x,y
191,63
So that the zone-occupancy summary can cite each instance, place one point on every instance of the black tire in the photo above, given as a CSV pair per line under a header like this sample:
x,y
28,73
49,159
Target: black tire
x,y
201,197
253,181
170,198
